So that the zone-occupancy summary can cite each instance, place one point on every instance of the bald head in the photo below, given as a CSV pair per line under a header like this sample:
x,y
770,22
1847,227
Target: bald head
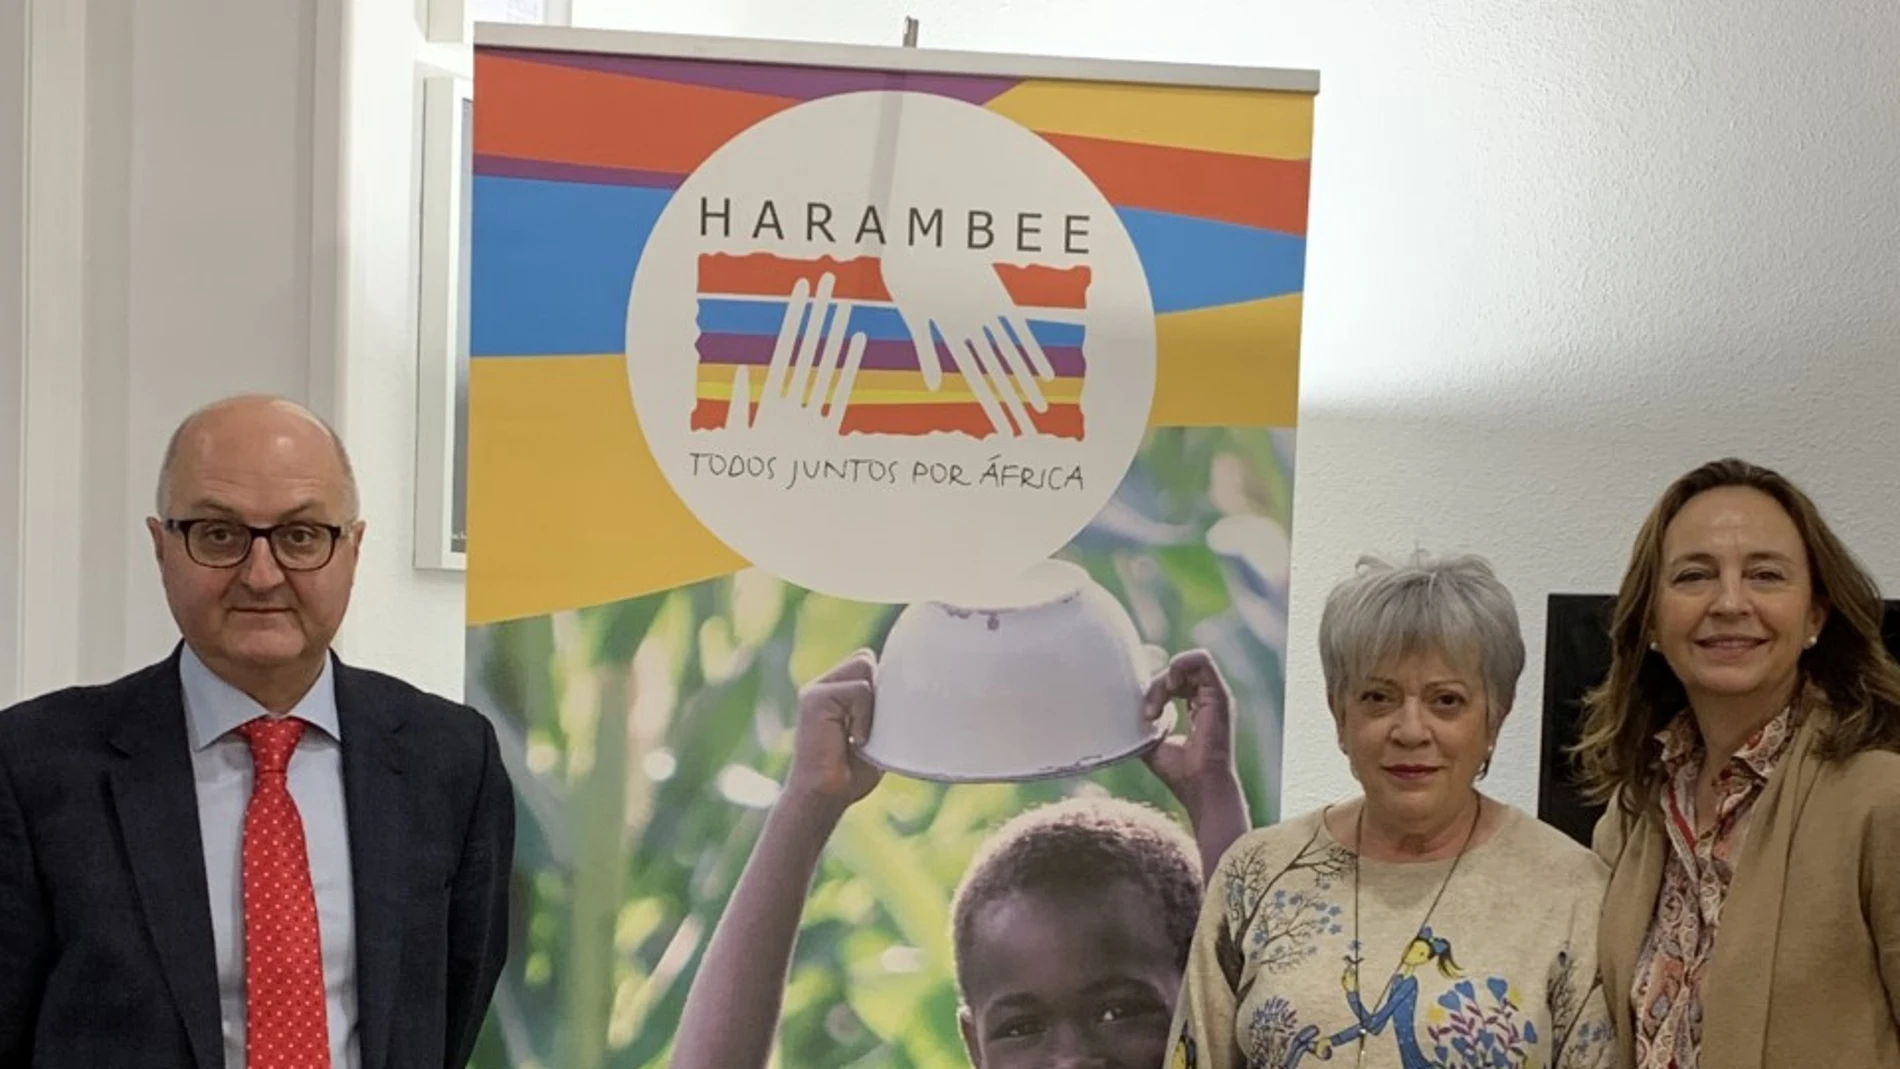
x,y
263,621
242,423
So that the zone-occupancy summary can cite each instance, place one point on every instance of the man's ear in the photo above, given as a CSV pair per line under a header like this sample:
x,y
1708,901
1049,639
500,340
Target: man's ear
x,y
158,538
966,1024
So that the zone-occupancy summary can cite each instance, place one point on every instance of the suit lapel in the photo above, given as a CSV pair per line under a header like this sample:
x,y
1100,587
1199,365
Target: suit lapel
x,y
1741,970
157,805
378,813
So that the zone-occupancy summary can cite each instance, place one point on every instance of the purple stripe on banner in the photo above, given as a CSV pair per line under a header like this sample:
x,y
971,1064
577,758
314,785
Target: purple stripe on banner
x,y
509,167
796,83
733,349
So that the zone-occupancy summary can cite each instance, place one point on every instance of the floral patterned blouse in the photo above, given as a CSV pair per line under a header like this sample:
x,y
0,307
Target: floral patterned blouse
x,y
1665,999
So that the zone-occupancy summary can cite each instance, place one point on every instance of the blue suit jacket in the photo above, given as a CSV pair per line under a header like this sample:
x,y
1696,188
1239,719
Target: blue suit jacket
x,y
106,953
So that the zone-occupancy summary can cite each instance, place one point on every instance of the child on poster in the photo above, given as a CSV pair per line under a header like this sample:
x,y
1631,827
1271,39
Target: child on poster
x,y
1071,927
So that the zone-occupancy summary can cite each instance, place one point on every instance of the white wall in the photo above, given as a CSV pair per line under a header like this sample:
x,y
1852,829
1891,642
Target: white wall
x,y
228,253
46,365
1558,255
13,76
402,620
181,246
224,201
733,18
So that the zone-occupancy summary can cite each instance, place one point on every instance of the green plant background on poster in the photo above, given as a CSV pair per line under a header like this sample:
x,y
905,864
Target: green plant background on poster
x,y
647,739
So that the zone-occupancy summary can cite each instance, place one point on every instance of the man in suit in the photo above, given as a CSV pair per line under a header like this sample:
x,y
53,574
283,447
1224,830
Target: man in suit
x,y
249,855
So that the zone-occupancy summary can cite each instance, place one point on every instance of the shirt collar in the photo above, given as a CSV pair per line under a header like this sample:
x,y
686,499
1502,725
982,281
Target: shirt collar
x,y
1764,749
1682,744
215,708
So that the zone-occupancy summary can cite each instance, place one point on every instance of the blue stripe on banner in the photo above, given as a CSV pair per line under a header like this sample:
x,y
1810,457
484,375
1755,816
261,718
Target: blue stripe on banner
x,y
1200,263
734,315
551,264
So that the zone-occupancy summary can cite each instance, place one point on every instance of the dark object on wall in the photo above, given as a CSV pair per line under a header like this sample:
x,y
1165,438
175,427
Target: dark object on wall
x,y
1576,658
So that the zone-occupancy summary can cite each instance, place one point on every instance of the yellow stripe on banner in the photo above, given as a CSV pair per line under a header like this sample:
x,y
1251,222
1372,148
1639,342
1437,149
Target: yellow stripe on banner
x,y
1242,122
1233,365
566,507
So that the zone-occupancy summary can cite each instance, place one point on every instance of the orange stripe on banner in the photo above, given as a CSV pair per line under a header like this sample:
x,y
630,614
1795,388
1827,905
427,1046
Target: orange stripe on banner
x,y
762,274
862,279
1060,421
1249,190
1037,286
554,114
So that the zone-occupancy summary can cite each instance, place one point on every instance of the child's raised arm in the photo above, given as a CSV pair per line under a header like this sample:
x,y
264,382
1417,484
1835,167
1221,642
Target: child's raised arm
x,y
1198,768
732,1011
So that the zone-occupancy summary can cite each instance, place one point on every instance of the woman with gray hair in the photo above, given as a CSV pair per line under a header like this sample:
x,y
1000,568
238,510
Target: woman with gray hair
x,y
1420,923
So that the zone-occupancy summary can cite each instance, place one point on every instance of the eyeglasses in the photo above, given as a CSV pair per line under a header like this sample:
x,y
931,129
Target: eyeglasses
x,y
301,546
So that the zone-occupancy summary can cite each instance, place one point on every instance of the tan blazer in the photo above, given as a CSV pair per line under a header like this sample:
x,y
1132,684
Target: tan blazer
x,y
1806,969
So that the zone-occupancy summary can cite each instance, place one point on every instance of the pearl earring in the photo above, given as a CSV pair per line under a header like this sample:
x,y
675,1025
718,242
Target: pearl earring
x,y
1812,639
1655,646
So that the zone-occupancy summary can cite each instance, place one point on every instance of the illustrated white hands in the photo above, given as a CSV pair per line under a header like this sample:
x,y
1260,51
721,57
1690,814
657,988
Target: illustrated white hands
x,y
999,359
810,377
814,366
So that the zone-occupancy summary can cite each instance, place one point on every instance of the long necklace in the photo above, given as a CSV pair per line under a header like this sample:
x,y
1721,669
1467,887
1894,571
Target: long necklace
x,y
1359,848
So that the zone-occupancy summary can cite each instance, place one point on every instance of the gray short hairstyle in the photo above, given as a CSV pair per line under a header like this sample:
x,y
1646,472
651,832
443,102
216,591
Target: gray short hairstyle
x,y
1452,605
163,491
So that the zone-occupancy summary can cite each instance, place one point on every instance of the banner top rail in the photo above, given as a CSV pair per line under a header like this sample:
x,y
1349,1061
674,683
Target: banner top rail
x,y
893,58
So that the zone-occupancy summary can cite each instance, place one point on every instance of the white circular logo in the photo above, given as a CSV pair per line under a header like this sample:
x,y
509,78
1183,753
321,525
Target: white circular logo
x,y
891,346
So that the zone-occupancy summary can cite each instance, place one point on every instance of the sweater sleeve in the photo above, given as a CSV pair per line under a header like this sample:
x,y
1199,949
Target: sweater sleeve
x,y
1203,1030
1583,1036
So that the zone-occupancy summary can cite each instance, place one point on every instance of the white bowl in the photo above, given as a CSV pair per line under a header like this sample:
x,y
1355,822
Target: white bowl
x,y
1047,682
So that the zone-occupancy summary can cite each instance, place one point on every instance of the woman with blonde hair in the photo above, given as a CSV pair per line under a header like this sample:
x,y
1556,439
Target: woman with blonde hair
x,y
1744,742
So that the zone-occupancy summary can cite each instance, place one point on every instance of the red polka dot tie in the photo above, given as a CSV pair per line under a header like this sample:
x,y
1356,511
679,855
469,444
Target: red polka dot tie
x,y
286,1022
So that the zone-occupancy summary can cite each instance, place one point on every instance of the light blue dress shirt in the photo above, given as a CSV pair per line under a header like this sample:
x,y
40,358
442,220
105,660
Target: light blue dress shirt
x,y
221,769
